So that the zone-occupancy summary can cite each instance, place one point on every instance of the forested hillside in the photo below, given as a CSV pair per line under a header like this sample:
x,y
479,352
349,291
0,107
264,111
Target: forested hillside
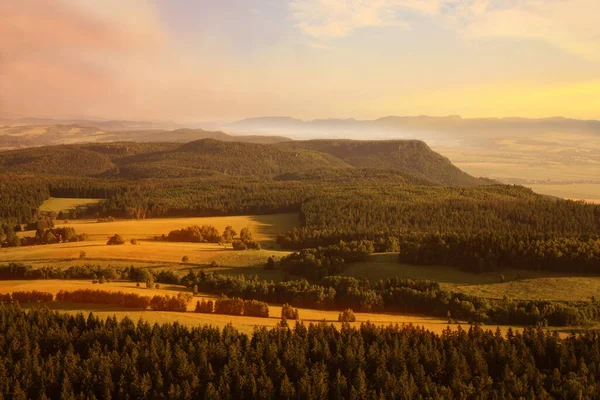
x,y
401,208
412,159
413,156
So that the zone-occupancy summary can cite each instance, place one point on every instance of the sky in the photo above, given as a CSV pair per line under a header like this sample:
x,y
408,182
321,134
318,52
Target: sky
x,y
222,60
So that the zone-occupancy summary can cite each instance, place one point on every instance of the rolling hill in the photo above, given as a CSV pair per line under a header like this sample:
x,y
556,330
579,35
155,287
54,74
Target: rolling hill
x,y
408,161
23,136
410,156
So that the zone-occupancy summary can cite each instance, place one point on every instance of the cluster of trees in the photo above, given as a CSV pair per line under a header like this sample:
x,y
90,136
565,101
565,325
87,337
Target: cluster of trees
x,y
233,306
322,261
71,356
299,293
171,303
53,235
398,295
347,316
45,220
246,241
199,234
210,234
33,296
289,312
45,233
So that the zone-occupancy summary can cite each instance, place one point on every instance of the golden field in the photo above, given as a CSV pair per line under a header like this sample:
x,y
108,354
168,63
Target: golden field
x,y
57,205
157,253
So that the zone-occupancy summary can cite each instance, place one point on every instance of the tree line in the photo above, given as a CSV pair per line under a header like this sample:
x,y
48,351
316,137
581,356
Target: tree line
x,y
20,271
397,295
117,298
72,356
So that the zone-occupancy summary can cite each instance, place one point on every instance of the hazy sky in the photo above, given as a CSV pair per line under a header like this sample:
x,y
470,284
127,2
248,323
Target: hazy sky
x,y
193,60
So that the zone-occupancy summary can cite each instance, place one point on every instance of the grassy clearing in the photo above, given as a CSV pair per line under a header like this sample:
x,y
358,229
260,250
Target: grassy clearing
x,y
244,324
65,204
531,285
146,253
156,253
264,227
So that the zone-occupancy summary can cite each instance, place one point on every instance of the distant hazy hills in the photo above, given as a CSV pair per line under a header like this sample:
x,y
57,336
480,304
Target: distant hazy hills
x,y
516,150
408,161
21,136
395,127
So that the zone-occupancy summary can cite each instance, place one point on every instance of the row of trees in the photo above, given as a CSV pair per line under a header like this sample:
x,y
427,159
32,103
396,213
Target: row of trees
x,y
233,306
246,241
398,295
72,356
20,271
33,296
128,300
9,238
89,296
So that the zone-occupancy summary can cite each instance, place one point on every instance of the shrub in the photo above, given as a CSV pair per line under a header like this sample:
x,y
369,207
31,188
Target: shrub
x,y
115,240
157,286
239,245
347,316
185,259
134,241
270,264
82,255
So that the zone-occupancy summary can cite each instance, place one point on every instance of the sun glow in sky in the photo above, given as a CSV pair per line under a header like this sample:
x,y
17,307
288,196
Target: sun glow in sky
x,y
194,60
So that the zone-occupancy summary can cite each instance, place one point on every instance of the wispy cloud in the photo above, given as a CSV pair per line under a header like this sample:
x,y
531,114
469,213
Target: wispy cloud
x,y
571,25
338,18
